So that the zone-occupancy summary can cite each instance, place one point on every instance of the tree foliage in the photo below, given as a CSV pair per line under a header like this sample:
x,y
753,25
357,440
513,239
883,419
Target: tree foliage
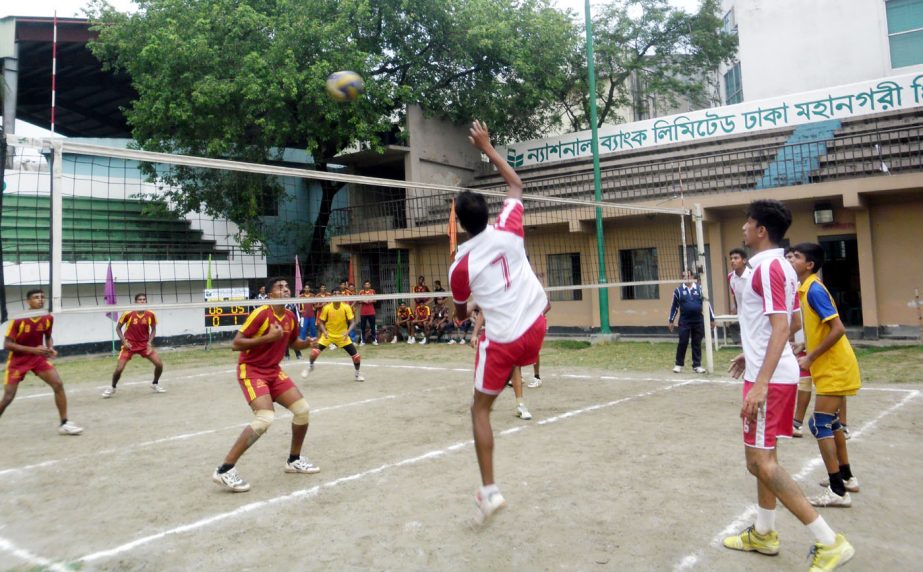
x,y
671,53
244,79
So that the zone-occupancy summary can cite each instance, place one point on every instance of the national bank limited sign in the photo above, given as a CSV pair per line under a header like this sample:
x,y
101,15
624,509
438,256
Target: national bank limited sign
x,y
843,102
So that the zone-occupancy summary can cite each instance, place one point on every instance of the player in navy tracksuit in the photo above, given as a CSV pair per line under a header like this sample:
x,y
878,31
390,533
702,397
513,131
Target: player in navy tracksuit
x,y
687,301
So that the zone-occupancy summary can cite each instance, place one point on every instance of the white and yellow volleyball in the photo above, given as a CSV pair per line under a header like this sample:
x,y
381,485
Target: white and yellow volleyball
x,y
345,85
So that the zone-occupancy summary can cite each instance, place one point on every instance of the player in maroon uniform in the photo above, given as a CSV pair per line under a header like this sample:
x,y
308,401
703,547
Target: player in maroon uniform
x,y
29,343
138,340
262,341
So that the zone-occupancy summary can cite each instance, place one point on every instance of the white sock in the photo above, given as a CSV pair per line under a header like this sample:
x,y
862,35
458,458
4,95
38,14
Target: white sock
x,y
765,520
822,531
490,489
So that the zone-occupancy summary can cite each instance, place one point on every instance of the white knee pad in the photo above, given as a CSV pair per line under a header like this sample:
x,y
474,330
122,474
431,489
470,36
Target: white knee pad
x,y
301,413
262,420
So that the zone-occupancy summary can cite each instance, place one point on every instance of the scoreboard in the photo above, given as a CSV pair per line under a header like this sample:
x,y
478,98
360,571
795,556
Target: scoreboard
x,y
226,316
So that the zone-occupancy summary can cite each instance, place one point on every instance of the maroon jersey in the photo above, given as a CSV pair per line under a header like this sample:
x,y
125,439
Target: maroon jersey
x,y
138,327
30,332
367,308
267,356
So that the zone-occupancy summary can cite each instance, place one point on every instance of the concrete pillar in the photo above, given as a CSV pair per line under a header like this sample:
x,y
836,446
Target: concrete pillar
x,y
10,96
867,285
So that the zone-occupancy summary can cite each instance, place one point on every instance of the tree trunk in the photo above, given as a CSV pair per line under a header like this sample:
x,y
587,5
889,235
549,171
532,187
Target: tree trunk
x,y
319,252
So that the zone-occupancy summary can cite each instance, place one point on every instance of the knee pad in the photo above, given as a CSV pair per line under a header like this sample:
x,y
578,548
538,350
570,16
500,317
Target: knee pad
x,y
262,420
314,353
301,413
356,358
821,425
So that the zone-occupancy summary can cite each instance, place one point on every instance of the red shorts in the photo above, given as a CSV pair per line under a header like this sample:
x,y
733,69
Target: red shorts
x,y
254,382
18,366
775,420
127,352
494,361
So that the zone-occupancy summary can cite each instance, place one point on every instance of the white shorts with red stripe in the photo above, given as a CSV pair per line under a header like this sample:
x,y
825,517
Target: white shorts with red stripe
x,y
775,419
494,361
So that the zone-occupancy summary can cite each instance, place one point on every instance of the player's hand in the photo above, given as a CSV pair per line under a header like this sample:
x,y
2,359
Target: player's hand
x,y
797,348
755,401
671,326
737,366
479,136
275,333
805,362
474,342
47,352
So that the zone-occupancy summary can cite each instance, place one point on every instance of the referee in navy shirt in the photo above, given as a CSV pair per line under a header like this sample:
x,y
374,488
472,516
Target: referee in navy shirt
x,y
687,302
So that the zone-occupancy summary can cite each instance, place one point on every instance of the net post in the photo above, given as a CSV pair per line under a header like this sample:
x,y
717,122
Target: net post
x,y
56,224
597,180
3,153
706,297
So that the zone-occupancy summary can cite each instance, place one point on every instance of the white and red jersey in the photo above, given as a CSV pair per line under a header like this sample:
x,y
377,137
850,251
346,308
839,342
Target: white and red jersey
x,y
772,288
737,283
493,269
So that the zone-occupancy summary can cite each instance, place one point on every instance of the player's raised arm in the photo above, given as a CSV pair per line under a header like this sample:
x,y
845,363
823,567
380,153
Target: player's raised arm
x,y
480,138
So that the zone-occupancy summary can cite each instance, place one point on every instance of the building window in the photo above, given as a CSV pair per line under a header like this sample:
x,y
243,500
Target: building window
x,y
905,32
639,265
733,88
729,25
564,270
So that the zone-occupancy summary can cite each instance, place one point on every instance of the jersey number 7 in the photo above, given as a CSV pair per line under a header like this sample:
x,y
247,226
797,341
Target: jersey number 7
x,y
505,268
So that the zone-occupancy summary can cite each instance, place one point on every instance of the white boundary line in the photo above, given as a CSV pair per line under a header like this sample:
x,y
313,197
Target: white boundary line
x,y
690,560
315,490
29,558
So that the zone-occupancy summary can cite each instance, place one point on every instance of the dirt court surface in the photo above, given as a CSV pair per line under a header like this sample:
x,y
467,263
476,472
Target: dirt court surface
x,y
615,472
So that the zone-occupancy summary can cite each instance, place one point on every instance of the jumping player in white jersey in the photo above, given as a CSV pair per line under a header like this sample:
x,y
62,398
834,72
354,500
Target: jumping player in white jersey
x,y
491,268
770,373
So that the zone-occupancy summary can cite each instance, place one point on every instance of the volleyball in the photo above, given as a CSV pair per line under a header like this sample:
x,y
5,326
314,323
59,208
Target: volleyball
x,y
345,85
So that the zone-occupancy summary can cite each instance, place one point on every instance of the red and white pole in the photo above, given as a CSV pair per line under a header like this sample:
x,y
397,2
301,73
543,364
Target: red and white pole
x,y
54,67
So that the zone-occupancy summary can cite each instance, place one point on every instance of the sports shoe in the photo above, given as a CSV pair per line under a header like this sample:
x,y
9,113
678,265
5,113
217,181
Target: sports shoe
x,y
394,340
411,340
522,412
452,342
361,344
374,342
155,387
699,369
852,485
333,346
69,429
231,481
359,376
797,431
824,558
846,432
677,369
302,465
536,382
488,504
423,341
752,541
108,392
830,498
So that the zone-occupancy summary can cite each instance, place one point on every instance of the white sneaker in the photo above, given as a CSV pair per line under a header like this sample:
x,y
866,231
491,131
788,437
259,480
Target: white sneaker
x,y
333,346
374,342
488,504
69,428
830,498
359,376
156,388
452,342
361,344
394,340
677,369
798,432
411,340
523,413
231,481
108,392
302,465
536,382
852,485
699,369
424,341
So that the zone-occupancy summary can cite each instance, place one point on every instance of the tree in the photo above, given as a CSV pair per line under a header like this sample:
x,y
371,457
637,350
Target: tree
x,y
670,52
244,79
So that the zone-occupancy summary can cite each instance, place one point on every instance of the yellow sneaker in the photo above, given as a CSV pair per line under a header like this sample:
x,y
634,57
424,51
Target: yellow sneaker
x,y
752,541
825,558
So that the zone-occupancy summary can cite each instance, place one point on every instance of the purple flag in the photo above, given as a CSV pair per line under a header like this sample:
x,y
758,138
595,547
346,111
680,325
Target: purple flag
x,y
297,277
110,294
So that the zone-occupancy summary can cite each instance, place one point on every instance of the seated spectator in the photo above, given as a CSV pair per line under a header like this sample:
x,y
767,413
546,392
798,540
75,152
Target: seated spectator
x,y
404,320
422,321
